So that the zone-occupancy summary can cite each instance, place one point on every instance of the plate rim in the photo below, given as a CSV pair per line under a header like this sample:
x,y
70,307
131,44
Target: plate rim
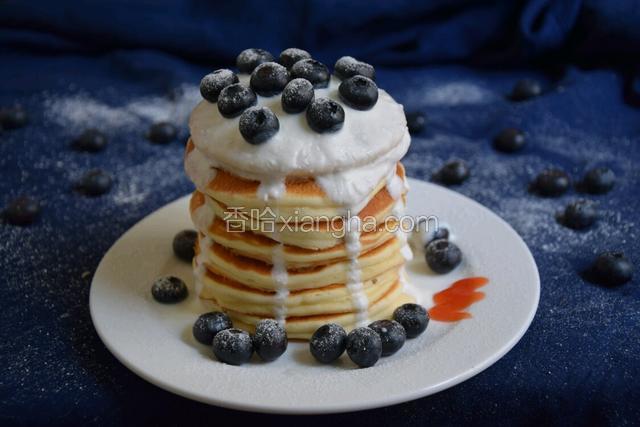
x,y
382,401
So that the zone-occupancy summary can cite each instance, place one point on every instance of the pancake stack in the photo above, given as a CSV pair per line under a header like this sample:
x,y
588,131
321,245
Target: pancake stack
x,y
303,228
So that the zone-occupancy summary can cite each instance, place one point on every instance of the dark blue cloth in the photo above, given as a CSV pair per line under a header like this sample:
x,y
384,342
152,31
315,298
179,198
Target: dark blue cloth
x,y
120,65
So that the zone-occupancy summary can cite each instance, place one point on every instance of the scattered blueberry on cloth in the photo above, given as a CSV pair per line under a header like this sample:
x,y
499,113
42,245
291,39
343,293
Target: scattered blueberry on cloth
x,y
72,69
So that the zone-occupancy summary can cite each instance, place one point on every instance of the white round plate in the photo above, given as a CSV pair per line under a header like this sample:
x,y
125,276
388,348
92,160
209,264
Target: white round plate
x,y
155,341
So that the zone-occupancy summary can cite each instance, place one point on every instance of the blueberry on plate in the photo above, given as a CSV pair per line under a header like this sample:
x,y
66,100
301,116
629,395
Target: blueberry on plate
x,y
270,340
328,343
249,59
325,115
413,318
525,89
509,140
169,290
208,325
314,71
348,66
94,183
23,210
442,256
392,335
598,180
579,214
551,182
290,56
91,140
364,346
454,172
437,234
258,124
233,346
612,269
359,92
297,95
184,244
269,78
234,99
13,118
162,133
212,84
415,122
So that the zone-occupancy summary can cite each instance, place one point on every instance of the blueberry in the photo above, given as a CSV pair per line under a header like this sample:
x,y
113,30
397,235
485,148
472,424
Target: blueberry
x,y
249,59
598,180
328,342
454,172
233,346
169,290
579,214
213,83
348,66
234,99
359,92
91,140
525,89
551,183
325,115
23,210
94,183
258,124
207,326
364,346
184,244
314,71
415,122
392,335
413,318
442,256
612,269
509,140
13,117
290,56
269,78
270,340
162,133
437,234
297,95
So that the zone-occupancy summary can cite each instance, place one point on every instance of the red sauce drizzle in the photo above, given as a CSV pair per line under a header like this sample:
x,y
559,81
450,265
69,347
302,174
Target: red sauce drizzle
x,y
451,303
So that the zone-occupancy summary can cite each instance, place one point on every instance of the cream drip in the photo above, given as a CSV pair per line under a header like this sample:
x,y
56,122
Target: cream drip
x,y
281,278
199,169
354,281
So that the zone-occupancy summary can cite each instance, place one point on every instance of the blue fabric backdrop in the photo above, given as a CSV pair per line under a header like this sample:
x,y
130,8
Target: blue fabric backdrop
x,y
121,65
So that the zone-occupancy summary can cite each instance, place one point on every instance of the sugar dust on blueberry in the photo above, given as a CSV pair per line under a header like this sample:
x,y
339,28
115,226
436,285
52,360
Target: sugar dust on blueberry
x,y
348,66
169,290
91,140
413,318
297,95
392,335
212,84
328,343
364,346
454,172
22,211
598,180
233,346
314,71
249,59
525,89
509,140
325,115
162,133
551,183
95,183
234,99
442,256
184,244
359,92
269,78
290,56
612,269
13,118
258,124
208,325
270,340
